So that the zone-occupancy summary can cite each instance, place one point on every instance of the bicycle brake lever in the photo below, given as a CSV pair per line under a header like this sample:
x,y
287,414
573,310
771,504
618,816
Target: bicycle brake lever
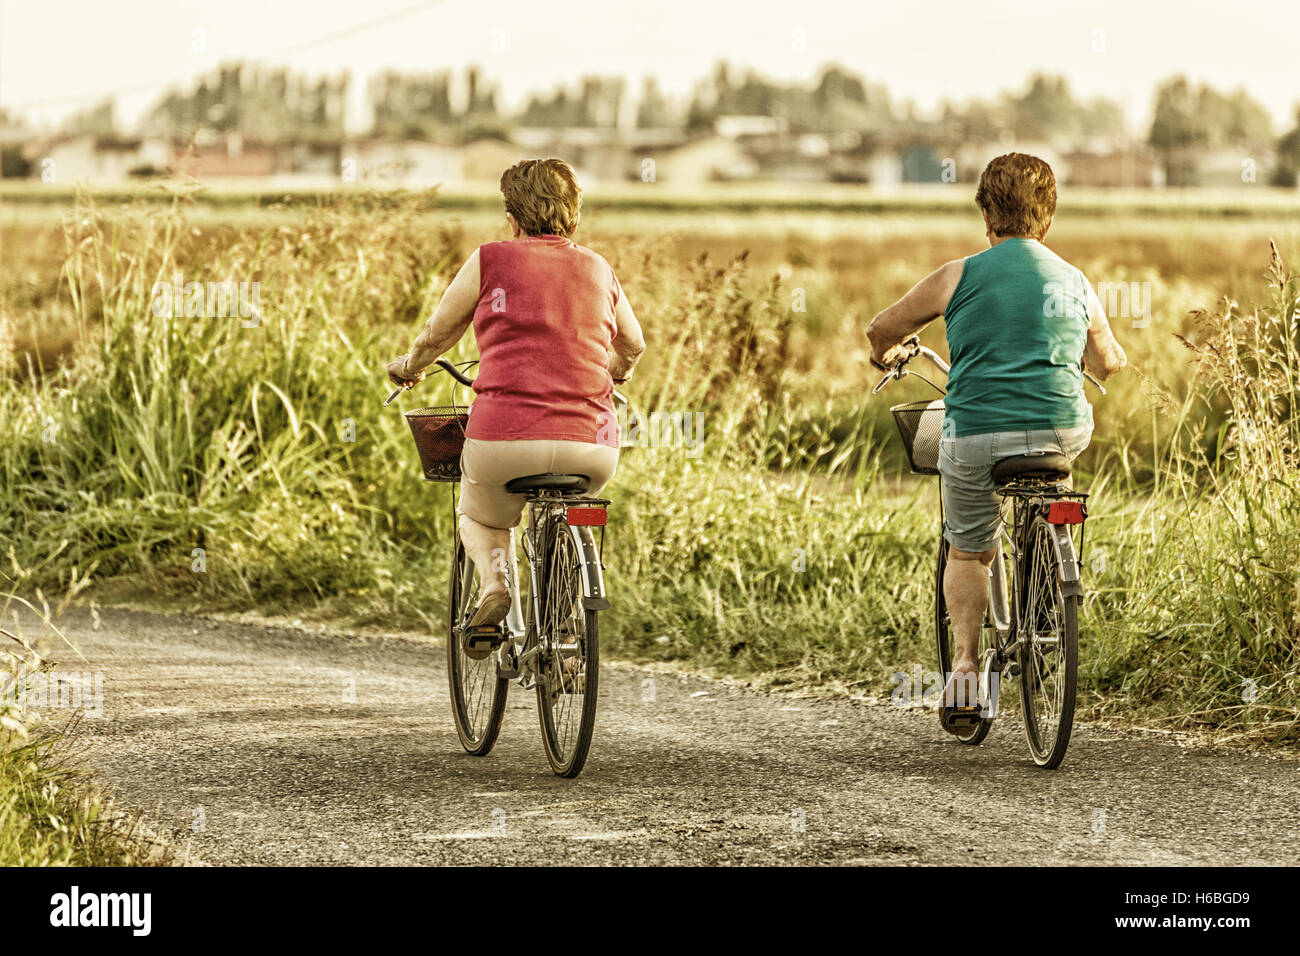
x,y
892,375
397,391
1100,387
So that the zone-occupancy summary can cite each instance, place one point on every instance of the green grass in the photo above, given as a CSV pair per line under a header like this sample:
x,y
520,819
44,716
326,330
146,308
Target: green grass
x,y
208,461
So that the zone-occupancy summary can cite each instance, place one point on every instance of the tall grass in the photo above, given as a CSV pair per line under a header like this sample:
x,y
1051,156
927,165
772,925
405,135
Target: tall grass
x,y
1205,626
205,459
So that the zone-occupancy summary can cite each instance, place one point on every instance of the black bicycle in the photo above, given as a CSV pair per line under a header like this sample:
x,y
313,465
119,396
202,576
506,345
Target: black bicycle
x,y
548,643
1034,633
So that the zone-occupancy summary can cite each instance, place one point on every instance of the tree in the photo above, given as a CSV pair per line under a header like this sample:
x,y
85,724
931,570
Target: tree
x,y
1288,156
654,111
1188,120
1176,129
1047,110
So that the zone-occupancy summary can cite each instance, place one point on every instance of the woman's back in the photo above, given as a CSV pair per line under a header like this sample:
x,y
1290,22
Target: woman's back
x,y
1016,324
544,324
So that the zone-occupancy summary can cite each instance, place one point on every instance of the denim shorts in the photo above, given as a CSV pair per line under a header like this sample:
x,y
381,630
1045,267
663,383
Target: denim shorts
x,y
972,513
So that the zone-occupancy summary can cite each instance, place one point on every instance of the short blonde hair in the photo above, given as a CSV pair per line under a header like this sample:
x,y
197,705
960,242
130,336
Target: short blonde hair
x,y
1017,192
544,197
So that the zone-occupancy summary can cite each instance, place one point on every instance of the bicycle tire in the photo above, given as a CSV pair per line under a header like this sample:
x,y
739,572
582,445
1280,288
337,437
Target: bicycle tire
x,y
1047,730
944,646
478,692
566,730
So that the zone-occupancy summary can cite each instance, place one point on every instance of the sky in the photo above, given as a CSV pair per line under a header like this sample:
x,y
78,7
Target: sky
x,y
60,55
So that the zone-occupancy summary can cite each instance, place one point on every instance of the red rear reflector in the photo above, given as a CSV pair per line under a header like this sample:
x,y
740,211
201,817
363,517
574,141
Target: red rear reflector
x,y
1065,512
586,516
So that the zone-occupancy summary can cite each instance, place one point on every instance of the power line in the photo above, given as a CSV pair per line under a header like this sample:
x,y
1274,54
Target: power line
x,y
337,35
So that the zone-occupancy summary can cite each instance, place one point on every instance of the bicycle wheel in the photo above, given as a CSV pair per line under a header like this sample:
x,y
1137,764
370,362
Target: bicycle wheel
x,y
568,664
1049,650
943,639
478,693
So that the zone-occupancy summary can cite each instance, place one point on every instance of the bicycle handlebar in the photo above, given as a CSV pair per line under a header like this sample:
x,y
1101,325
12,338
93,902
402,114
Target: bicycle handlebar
x,y
443,364
900,370
458,375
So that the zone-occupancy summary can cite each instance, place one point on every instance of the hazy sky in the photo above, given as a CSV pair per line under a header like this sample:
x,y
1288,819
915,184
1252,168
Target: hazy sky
x,y
56,55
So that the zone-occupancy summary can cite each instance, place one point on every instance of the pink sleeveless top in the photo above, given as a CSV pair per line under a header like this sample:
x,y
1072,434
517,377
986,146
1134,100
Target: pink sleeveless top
x,y
544,324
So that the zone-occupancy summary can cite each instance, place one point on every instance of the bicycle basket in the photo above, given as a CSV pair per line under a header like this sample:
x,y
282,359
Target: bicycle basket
x,y
439,437
919,425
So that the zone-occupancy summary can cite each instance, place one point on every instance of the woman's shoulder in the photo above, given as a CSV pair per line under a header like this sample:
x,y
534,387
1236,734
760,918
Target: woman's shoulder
x,y
589,253
599,264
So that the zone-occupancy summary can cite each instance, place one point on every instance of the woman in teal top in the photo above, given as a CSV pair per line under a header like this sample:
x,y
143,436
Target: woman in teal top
x,y
1021,323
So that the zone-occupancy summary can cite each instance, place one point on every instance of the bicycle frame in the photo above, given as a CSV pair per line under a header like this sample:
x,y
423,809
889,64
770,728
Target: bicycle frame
x,y
1005,612
523,636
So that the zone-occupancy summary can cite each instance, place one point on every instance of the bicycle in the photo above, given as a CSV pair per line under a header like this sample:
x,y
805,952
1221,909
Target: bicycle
x,y
550,643
1033,633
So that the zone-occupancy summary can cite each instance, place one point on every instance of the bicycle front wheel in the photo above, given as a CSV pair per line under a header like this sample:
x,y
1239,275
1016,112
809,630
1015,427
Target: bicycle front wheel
x,y
945,646
478,693
1049,649
569,660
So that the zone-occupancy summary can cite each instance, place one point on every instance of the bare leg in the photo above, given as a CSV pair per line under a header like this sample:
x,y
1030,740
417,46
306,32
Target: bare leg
x,y
966,592
489,549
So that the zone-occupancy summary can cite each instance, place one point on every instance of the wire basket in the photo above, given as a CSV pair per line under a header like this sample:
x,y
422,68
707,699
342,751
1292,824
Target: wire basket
x,y
439,437
920,424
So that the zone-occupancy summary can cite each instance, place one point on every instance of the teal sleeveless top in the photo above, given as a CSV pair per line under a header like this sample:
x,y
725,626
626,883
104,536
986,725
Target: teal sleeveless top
x,y
1017,325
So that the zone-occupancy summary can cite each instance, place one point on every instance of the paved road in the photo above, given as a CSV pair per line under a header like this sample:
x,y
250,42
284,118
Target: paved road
x,y
279,746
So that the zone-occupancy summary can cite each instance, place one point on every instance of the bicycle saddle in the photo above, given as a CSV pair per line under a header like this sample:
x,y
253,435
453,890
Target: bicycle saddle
x,y
529,483
1049,466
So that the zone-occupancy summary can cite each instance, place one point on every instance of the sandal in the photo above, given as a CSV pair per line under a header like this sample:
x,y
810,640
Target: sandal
x,y
483,633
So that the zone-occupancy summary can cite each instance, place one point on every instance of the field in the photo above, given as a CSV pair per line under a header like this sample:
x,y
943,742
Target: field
x,y
233,465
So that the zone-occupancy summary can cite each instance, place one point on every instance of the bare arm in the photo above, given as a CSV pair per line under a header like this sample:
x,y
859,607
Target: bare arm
x,y
628,343
924,303
1102,356
448,323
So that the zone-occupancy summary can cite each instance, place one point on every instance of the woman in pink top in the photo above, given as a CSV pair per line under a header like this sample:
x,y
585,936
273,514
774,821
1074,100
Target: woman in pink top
x,y
555,335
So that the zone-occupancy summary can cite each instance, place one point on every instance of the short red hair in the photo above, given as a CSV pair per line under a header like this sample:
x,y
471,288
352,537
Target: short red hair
x,y
1017,192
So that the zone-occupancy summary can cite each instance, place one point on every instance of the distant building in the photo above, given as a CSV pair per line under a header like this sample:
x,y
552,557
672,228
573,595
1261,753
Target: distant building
x,y
484,160
404,163
93,159
706,160
739,127
232,159
1119,168
1233,167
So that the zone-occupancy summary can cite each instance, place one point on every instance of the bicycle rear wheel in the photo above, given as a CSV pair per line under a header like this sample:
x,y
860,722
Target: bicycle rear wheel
x,y
569,661
478,693
1049,650
944,642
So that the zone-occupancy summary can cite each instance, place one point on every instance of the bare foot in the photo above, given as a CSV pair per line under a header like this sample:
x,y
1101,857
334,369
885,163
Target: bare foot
x,y
962,689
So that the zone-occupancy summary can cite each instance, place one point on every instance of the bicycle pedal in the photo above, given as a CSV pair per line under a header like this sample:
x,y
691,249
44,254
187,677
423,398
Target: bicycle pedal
x,y
485,637
957,718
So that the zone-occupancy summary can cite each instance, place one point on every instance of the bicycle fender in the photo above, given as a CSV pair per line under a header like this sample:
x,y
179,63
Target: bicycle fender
x,y
593,580
1068,560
